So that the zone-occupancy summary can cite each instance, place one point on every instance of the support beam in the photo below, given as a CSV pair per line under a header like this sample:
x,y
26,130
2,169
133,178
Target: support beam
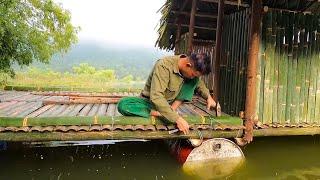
x,y
195,27
191,26
197,14
111,135
231,3
254,43
218,50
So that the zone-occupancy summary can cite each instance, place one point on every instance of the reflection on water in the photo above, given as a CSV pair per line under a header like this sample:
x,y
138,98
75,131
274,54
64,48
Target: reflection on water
x,y
266,158
222,168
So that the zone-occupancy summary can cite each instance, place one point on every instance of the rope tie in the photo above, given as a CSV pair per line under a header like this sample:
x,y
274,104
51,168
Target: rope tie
x,y
95,121
153,120
25,122
203,119
112,122
200,135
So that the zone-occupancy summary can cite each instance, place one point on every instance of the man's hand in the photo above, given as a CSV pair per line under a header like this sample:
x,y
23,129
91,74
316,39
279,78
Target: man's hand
x,y
210,103
183,125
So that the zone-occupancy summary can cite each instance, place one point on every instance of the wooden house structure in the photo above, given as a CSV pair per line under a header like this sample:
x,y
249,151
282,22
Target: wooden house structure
x,y
265,55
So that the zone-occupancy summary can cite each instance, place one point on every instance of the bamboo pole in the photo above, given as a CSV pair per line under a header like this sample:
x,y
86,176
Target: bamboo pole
x,y
286,131
178,38
235,64
295,88
110,135
302,68
262,69
231,64
317,105
242,42
191,25
308,56
283,70
312,86
112,120
275,66
225,75
218,50
289,36
267,112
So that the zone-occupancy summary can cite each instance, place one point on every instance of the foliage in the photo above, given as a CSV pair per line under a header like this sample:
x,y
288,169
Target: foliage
x,y
85,77
127,78
84,68
33,30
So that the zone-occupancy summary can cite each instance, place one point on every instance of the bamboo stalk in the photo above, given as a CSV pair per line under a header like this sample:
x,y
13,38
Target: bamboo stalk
x,y
302,68
111,120
117,134
289,35
267,113
236,63
262,68
313,71
275,66
295,89
230,59
241,59
84,101
283,67
317,105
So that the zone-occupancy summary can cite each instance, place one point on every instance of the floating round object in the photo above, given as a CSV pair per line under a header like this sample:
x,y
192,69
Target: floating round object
x,y
195,142
215,158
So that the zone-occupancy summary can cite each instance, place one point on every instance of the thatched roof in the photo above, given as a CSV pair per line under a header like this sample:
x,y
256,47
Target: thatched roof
x,y
174,11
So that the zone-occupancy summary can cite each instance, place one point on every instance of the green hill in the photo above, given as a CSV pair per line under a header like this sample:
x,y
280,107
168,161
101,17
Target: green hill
x,y
125,60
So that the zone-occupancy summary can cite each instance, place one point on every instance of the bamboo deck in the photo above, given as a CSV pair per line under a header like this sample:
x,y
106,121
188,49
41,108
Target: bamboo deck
x,y
36,116
46,116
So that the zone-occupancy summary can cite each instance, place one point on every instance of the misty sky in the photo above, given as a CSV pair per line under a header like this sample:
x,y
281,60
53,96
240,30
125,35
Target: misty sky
x,y
119,21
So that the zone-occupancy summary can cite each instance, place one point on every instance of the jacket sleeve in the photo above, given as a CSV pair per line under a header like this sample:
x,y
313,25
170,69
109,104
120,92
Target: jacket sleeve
x,y
159,84
203,90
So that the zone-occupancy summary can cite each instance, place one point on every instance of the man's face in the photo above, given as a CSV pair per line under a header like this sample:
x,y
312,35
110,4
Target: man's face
x,y
189,71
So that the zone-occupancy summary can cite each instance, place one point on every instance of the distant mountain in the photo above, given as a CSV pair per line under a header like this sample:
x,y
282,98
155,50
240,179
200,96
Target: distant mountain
x,y
125,60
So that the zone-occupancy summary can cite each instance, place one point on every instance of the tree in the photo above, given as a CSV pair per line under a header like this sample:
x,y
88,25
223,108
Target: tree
x,y
84,68
33,30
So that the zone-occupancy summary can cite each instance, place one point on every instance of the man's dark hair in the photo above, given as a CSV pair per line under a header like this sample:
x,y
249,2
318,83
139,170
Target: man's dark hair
x,y
201,62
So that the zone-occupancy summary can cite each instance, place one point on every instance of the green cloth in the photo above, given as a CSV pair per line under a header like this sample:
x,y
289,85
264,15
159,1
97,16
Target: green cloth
x,y
135,106
187,90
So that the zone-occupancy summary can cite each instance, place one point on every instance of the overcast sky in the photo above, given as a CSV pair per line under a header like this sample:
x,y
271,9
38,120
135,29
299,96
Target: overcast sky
x,y
130,22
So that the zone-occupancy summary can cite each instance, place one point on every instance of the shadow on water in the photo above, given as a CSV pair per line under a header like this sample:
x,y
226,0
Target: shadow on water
x,y
266,158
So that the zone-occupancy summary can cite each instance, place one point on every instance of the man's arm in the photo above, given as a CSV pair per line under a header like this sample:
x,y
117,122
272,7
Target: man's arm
x,y
204,92
159,84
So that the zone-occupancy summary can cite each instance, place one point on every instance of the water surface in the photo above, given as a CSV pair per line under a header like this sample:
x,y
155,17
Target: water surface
x,y
266,158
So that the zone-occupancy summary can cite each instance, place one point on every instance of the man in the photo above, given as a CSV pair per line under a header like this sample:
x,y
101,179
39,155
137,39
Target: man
x,y
172,81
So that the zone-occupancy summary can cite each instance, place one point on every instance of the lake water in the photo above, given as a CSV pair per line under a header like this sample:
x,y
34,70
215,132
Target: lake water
x,y
266,158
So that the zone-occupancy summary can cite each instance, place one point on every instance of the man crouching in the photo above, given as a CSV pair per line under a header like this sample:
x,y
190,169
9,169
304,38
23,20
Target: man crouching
x,y
172,81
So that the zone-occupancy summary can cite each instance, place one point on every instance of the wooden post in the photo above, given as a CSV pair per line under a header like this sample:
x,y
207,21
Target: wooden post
x,y
252,66
177,43
191,25
218,50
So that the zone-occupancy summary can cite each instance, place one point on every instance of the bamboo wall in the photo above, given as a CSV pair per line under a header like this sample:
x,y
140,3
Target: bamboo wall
x,y
233,64
289,69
